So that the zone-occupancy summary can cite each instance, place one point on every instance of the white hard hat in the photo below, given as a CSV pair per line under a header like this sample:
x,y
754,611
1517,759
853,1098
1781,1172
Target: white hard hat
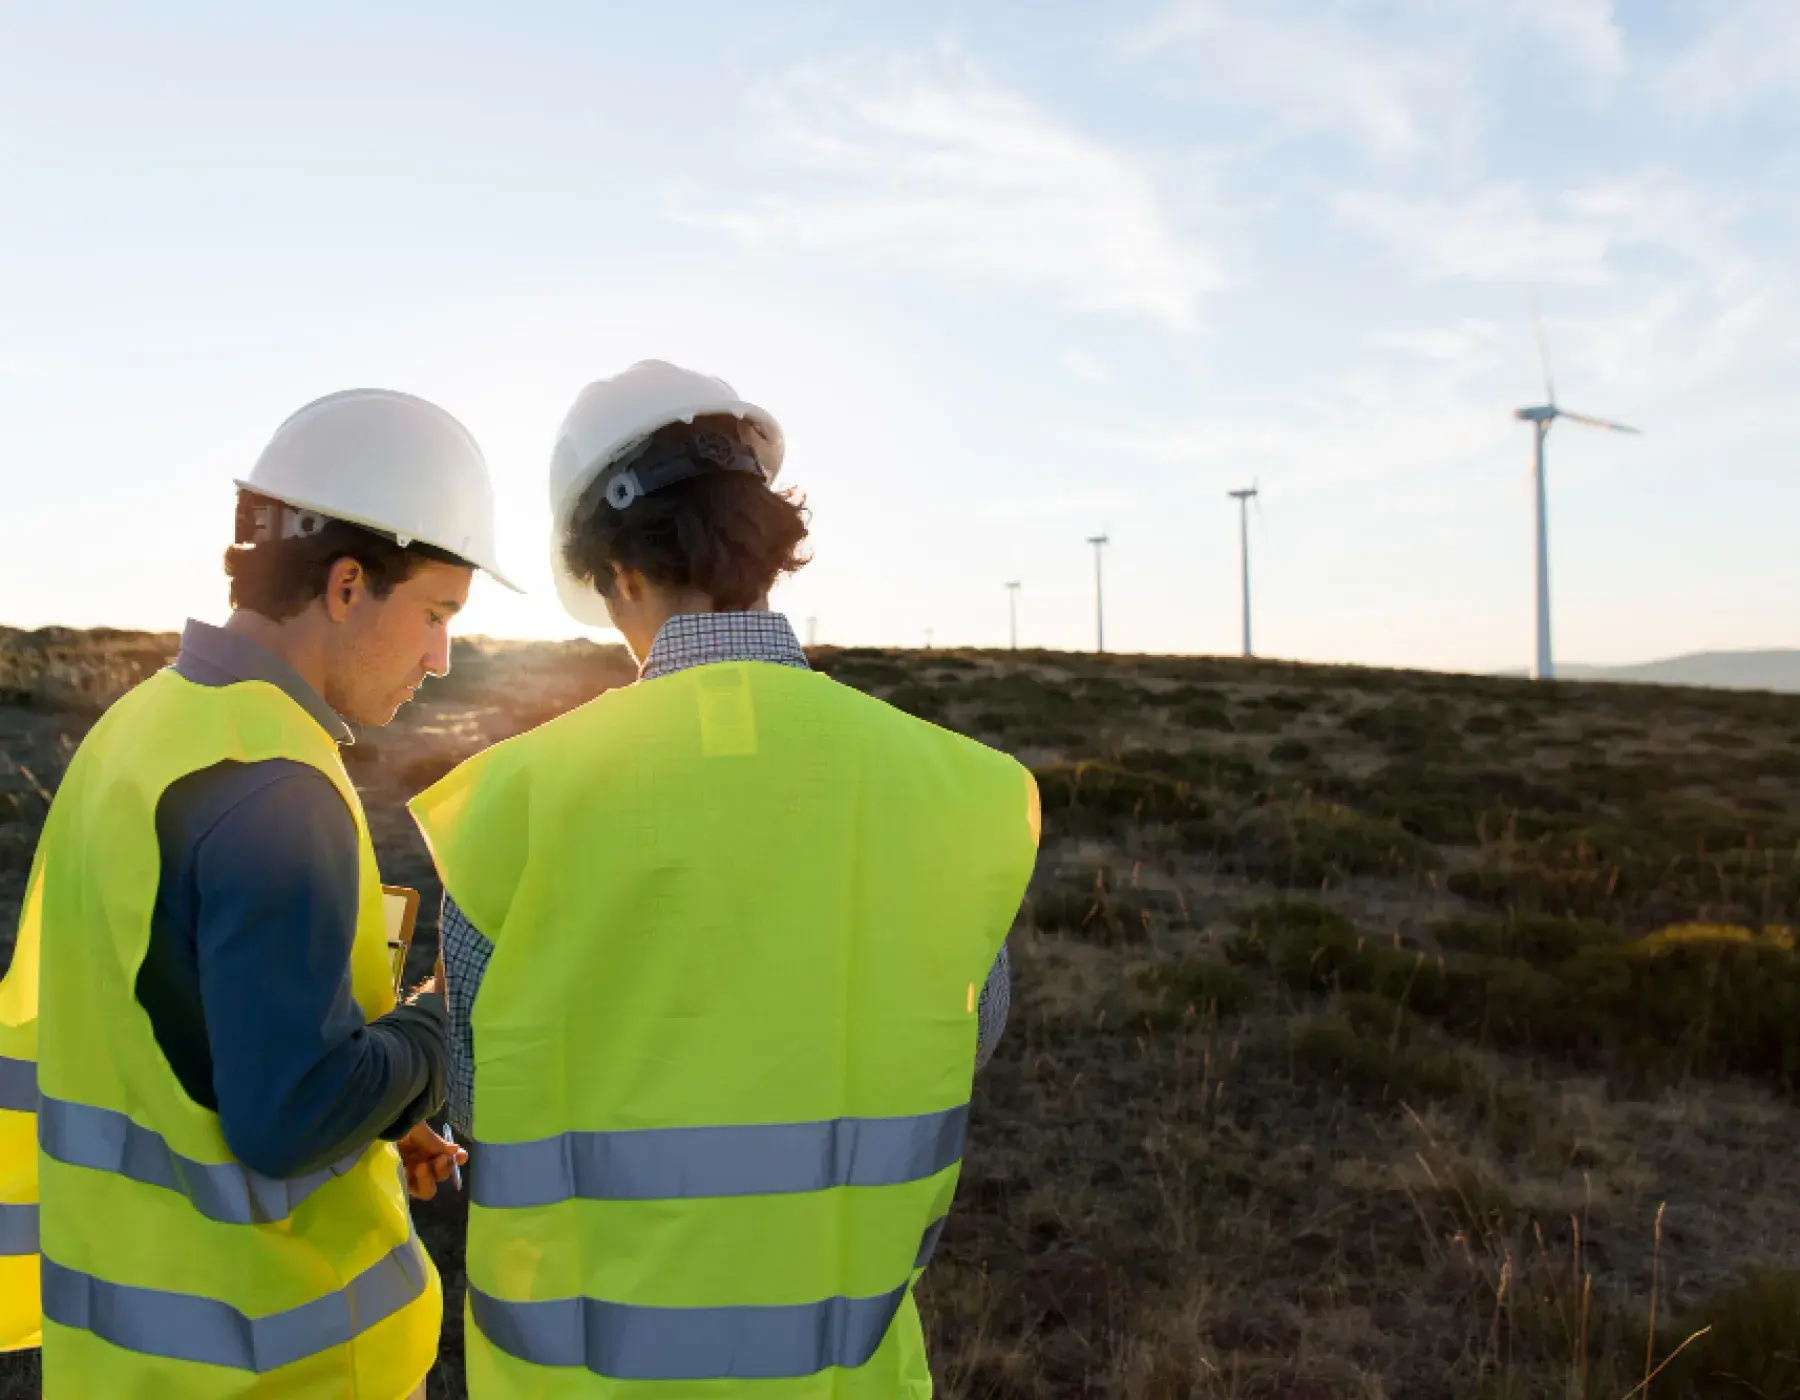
x,y
610,419
389,462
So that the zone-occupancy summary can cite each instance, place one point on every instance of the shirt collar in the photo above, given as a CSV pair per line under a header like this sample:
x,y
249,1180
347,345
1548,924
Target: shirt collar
x,y
212,656
703,639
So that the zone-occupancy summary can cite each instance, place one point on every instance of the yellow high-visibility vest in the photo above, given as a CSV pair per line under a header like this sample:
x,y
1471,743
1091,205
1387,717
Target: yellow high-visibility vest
x,y
170,1268
726,1039
21,1313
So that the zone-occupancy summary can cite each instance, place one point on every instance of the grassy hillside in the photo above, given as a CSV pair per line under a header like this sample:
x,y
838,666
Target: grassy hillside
x,y
1373,1033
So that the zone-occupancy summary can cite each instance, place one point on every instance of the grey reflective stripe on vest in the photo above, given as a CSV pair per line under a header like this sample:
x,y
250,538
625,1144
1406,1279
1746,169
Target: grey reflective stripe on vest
x,y
667,1164
623,1341
105,1141
18,1230
928,1245
629,1343
18,1085
186,1327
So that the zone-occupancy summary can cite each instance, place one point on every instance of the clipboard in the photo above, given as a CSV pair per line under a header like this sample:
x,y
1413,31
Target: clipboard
x,y
400,910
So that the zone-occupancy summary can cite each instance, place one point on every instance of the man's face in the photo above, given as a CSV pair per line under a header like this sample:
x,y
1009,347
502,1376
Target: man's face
x,y
389,645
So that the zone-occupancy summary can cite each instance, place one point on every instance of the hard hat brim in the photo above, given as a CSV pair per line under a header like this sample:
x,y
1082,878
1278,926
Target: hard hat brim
x,y
486,566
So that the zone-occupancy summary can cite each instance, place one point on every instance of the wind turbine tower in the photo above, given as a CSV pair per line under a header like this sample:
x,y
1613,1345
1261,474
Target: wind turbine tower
x,y
1012,612
1099,543
1243,498
1540,418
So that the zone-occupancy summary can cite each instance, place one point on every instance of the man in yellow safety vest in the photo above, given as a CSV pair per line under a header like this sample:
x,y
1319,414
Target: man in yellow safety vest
x,y
207,1092
722,950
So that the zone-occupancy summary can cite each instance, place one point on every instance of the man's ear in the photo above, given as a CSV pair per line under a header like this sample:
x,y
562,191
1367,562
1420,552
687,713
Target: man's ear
x,y
343,586
628,584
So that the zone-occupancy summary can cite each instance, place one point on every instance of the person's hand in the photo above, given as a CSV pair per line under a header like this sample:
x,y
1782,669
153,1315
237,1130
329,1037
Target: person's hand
x,y
431,986
426,1159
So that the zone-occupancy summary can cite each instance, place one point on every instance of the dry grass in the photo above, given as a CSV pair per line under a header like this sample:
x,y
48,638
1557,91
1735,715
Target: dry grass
x,y
1374,1034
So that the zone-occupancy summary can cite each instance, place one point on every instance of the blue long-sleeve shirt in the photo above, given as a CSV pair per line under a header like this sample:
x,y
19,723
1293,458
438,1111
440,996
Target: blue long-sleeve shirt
x,y
246,979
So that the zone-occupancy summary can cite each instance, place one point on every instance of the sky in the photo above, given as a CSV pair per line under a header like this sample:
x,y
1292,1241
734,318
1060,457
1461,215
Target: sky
x,y
1009,275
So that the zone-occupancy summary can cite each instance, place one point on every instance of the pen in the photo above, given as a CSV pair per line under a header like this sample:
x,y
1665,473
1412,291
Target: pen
x,y
455,1170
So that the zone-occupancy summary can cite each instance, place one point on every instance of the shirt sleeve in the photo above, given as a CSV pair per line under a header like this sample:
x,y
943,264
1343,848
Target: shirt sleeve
x,y
996,1001
302,1079
466,954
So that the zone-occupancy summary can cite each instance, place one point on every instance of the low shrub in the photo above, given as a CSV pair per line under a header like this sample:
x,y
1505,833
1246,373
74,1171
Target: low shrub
x,y
1093,799
72,671
1205,716
1610,870
1308,844
1302,942
1457,803
1405,725
919,700
1751,1347
1687,1001
1690,1000
1194,987
1089,909
1538,939
1373,1067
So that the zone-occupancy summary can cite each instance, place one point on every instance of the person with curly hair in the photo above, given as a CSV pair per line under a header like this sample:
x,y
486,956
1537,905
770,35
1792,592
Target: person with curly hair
x,y
723,948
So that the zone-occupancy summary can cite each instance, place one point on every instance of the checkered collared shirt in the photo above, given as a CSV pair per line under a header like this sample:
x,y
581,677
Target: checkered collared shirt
x,y
690,639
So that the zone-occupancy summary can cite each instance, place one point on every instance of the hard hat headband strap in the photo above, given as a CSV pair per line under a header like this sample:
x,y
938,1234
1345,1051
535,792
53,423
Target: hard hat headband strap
x,y
702,453
262,520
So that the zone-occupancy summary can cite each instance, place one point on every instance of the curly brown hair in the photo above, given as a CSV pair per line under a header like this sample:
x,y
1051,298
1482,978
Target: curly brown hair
x,y
726,534
279,578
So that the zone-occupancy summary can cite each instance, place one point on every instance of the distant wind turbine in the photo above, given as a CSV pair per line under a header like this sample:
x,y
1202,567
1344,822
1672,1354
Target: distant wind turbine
x,y
1540,419
1099,543
1012,612
1243,498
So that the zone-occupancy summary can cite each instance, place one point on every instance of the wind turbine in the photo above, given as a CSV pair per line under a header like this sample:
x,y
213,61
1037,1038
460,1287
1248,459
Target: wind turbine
x,y
1012,612
1243,498
1540,418
1099,542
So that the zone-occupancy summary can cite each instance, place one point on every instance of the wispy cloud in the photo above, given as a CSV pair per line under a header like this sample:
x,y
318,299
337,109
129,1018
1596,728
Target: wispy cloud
x,y
1583,31
933,164
1451,345
1504,232
1085,366
1352,438
1393,78
1493,233
1307,72
1751,49
1689,356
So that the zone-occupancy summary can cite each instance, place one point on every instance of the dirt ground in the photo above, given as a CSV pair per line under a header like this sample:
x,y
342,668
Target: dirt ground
x,y
1374,1034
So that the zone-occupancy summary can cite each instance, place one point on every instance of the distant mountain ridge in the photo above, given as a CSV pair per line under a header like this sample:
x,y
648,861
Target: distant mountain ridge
x,y
1773,670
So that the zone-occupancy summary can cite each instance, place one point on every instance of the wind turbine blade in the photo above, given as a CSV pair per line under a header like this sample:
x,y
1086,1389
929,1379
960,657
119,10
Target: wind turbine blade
x,y
1543,353
1597,422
